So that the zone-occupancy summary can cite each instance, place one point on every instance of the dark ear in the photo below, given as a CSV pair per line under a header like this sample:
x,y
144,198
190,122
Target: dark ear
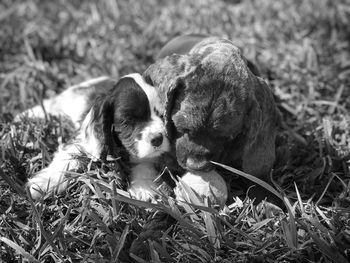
x,y
253,121
164,73
167,76
261,124
253,68
96,131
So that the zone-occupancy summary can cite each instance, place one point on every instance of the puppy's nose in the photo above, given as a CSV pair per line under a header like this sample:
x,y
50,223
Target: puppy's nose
x,y
157,140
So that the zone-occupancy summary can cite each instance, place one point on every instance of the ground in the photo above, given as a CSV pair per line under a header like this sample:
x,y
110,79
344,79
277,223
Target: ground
x,y
302,49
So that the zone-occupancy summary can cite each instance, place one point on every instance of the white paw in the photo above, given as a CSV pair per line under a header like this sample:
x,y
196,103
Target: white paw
x,y
142,186
35,112
45,182
38,188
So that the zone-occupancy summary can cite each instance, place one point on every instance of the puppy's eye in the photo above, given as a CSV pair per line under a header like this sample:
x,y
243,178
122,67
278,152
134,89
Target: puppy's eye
x,y
160,115
148,80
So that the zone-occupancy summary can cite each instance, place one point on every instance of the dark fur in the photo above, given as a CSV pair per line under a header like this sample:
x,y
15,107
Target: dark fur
x,y
217,108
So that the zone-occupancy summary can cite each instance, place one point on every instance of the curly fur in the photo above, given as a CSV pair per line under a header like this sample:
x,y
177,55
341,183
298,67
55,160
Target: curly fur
x,y
216,107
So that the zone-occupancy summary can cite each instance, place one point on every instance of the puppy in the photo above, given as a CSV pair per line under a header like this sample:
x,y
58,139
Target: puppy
x,y
217,106
125,114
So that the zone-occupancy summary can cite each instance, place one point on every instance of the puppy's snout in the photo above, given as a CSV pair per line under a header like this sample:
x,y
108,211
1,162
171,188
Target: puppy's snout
x,y
198,163
157,140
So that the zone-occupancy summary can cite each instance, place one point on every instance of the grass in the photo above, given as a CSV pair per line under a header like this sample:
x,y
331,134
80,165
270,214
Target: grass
x,y
302,49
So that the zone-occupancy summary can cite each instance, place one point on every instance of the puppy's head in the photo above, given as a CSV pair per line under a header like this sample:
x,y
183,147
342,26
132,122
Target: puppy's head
x,y
211,103
128,116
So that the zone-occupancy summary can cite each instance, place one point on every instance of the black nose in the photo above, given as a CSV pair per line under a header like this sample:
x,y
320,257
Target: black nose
x,y
157,140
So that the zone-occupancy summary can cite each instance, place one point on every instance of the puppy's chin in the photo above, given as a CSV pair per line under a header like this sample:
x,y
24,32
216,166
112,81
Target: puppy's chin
x,y
150,157
192,157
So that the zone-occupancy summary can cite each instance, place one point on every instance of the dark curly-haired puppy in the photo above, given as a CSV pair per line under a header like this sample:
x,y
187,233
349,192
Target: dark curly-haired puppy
x,y
217,108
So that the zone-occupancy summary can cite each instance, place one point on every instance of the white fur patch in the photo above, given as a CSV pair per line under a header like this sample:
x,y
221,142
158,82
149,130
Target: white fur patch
x,y
142,186
74,104
69,103
144,147
52,178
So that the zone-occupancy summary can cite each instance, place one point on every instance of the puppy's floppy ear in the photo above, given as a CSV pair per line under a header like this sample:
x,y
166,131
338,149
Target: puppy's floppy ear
x,y
253,121
253,68
261,124
167,75
97,128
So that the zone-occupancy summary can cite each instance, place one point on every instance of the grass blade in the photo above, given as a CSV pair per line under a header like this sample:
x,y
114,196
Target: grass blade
x,y
120,244
327,250
251,178
19,249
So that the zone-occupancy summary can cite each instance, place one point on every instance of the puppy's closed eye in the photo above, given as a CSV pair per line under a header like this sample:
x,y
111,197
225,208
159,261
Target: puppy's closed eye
x,y
158,113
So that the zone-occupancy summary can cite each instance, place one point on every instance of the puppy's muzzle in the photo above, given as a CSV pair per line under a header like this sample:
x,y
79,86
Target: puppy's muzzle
x,y
198,163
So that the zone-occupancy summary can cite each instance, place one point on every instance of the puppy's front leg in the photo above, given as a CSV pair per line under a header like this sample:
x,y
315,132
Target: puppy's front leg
x,y
53,177
142,185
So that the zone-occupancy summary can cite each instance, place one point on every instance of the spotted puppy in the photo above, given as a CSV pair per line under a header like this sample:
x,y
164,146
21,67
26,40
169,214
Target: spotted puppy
x,y
218,108
125,114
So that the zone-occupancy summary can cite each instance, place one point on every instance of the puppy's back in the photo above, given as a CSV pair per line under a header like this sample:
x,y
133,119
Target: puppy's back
x,y
73,103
